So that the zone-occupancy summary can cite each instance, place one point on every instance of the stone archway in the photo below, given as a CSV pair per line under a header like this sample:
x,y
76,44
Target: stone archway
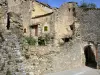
x,y
90,57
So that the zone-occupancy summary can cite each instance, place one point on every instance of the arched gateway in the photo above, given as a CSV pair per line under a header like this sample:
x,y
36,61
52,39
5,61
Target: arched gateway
x,y
90,56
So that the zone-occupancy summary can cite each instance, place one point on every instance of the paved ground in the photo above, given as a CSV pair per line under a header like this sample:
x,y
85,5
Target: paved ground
x,y
79,71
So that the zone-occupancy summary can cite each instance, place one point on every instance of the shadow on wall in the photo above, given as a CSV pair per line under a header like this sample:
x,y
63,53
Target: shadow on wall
x,y
90,57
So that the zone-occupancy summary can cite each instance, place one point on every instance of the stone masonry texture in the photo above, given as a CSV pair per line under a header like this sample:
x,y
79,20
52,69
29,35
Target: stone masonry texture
x,y
17,58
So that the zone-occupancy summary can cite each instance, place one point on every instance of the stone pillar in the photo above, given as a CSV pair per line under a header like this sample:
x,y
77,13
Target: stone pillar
x,y
98,54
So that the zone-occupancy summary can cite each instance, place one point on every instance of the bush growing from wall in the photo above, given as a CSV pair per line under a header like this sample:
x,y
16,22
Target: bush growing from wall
x,y
44,40
88,5
8,73
41,41
30,40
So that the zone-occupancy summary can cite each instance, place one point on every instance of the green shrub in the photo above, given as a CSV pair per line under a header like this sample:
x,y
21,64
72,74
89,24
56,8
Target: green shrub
x,y
30,40
84,5
41,41
88,5
47,39
8,73
91,5
44,40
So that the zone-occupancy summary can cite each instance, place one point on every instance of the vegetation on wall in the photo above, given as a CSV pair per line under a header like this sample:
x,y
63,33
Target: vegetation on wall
x,y
30,40
41,40
88,5
8,73
44,40
91,5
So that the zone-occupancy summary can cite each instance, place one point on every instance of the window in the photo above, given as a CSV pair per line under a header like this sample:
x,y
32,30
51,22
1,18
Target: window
x,y
33,9
25,30
46,28
66,39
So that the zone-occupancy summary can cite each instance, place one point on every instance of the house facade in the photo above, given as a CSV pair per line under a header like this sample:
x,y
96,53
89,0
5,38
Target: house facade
x,y
38,23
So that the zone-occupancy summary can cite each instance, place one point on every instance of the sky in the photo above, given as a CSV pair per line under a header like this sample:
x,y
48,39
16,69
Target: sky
x,y
58,3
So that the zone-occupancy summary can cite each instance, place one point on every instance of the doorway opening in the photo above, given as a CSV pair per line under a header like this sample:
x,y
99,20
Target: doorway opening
x,y
34,30
90,57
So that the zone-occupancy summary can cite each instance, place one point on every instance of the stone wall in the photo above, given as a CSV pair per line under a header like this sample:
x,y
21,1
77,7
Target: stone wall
x,y
41,22
88,30
24,59
10,50
23,8
3,15
14,6
89,24
26,13
10,42
47,59
61,20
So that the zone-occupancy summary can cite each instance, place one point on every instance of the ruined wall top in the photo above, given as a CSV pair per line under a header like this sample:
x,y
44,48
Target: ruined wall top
x,y
70,4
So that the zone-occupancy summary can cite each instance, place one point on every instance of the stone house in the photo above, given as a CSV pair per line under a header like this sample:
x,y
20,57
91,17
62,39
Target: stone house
x,y
34,16
39,16
67,24
76,34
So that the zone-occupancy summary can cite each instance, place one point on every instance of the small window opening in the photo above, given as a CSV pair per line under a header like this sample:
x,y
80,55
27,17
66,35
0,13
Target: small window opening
x,y
33,9
45,28
25,30
71,27
8,21
69,9
66,39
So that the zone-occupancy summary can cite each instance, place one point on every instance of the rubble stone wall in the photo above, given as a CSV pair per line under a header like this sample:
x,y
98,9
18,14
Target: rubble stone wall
x,y
22,60
61,20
